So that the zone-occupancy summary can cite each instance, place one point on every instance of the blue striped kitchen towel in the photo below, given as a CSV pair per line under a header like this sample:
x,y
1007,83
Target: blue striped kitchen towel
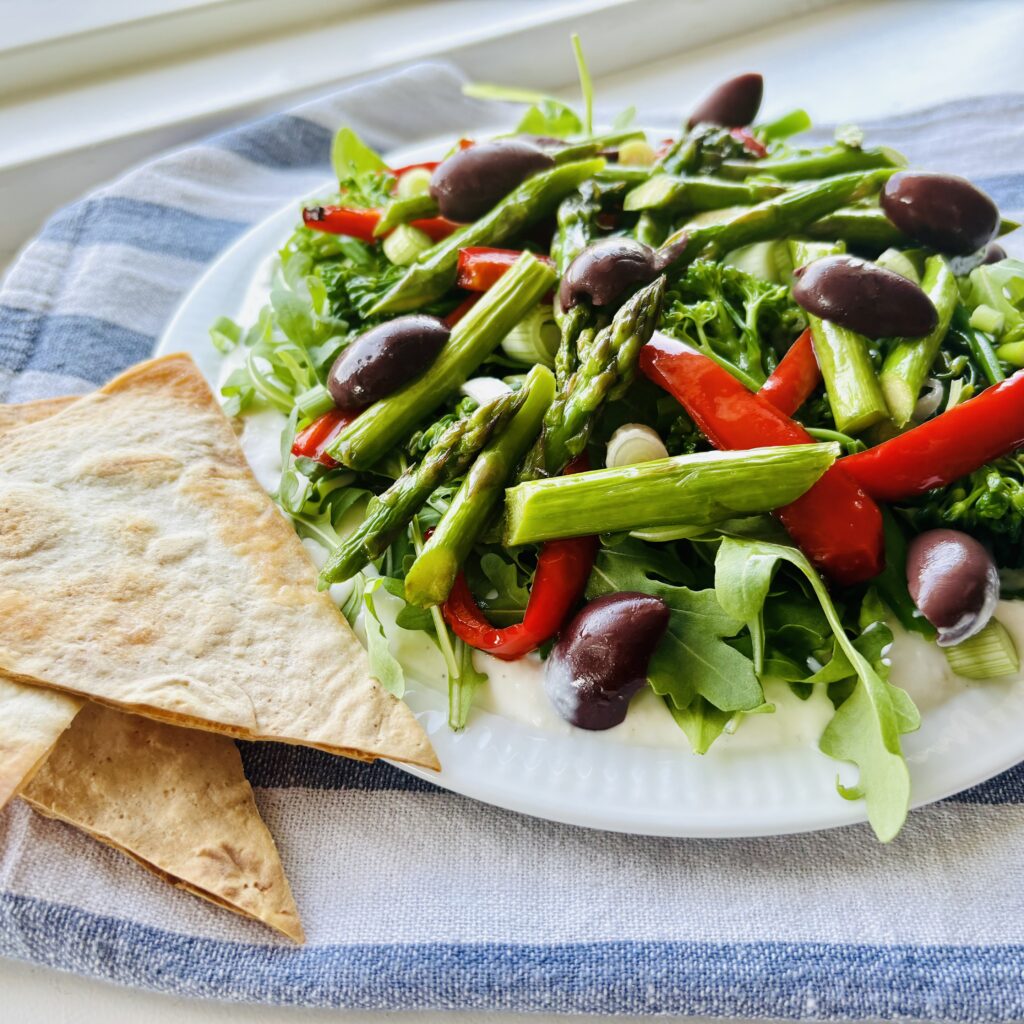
x,y
412,897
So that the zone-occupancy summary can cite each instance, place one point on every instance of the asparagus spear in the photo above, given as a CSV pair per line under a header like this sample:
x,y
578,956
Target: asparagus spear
x,y
608,367
841,160
685,489
782,215
689,195
854,393
867,227
431,576
909,360
591,147
401,211
380,427
391,512
576,225
434,272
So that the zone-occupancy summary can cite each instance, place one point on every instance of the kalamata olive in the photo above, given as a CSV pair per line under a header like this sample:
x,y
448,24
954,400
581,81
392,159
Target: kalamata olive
x,y
604,270
600,660
733,104
940,210
864,297
384,358
954,583
994,252
471,181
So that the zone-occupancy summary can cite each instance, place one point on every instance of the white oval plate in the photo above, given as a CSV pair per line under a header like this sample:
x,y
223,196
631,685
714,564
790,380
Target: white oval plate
x,y
969,733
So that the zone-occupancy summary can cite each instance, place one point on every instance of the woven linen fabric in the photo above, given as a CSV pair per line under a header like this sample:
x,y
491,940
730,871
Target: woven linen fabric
x,y
415,898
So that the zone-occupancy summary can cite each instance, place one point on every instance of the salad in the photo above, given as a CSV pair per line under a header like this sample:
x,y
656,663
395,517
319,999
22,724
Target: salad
x,y
688,414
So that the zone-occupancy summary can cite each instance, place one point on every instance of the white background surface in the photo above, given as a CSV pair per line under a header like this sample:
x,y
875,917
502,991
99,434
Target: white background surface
x,y
860,60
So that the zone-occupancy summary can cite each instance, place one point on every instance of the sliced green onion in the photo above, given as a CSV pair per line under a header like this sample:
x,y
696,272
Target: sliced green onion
x,y
534,339
764,260
405,245
633,443
989,654
314,402
414,182
225,334
985,318
637,153
1012,353
899,263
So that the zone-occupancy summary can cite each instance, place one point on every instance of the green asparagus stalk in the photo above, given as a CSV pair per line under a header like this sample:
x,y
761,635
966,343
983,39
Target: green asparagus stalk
x,y
576,224
623,174
380,427
854,393
841,160
591,147
780,216
980,346
607,368
691,195
783,127
401,211
430,579
391,512
434,272
909,360
685,489
867,227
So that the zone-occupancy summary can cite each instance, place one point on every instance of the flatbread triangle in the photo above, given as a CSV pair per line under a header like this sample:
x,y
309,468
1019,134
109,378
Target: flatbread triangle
x,y
143,566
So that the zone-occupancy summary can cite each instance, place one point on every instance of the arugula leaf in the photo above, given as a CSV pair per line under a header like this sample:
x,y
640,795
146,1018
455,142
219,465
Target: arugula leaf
x,y
463,686
225,334
384,666
552,118
351,157
692,660
624,118
867,726
702,722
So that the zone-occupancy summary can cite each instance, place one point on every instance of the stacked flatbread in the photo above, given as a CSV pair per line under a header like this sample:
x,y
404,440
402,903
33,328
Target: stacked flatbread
x,y
151,597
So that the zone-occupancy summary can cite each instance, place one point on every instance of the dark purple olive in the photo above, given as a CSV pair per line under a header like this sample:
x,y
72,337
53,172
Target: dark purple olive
x,y
604,270
864,297
600,660
954,583
384,358
994,252
940,210
733,104
471,181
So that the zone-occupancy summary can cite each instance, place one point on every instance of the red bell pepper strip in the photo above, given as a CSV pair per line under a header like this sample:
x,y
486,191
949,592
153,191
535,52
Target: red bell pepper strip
x,y
795,378
312,442
563,568
750,142
356,223
945,448
480,267
835,523
461,310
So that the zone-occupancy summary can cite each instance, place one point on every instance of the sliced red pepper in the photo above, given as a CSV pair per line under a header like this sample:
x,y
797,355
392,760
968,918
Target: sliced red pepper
x,y
835,523
481,267
945,448
342,220
312,442
793,381
461,310
356,223
563,568
751,143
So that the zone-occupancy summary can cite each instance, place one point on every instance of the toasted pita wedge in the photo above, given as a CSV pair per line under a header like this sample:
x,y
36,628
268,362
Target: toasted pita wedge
x,y
31,722
175,800
31,719
142,565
